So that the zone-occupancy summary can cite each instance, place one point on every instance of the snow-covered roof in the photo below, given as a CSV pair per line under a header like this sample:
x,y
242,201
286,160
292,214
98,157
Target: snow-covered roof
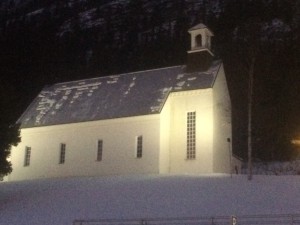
x,y
198,26
201,26
124,95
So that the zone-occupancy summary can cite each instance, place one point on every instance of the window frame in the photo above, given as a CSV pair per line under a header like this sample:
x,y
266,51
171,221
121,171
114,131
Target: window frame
x,y
191,135
27,156
99,150
62,153
139,147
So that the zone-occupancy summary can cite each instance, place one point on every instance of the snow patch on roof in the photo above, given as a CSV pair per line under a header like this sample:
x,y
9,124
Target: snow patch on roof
x,y
180,84
43,107
179,76
39,11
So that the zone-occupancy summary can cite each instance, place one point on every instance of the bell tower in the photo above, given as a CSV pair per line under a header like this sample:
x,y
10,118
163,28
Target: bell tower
x,y
199,56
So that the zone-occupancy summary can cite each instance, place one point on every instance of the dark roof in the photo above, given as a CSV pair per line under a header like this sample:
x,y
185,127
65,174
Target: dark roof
x,y
125,95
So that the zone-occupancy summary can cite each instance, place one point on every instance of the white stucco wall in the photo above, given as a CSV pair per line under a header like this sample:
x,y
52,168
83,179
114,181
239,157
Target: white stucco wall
x,y
181,103
222,124
119,146
165,126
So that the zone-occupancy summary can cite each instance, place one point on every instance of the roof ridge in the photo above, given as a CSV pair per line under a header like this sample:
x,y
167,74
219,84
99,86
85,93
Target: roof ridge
x,y
121,74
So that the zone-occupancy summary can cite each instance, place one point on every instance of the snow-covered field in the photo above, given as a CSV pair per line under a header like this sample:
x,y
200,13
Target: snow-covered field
x,y
61,201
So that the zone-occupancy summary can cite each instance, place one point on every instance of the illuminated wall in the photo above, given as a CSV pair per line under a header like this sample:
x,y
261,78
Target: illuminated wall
x,y
199,101
119,147
164,154
222,125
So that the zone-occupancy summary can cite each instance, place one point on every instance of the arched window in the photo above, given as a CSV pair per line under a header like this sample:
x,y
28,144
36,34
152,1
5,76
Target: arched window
x,y
199,40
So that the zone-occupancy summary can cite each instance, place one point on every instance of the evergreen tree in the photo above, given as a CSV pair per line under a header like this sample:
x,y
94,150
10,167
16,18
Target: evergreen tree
x,y
9,130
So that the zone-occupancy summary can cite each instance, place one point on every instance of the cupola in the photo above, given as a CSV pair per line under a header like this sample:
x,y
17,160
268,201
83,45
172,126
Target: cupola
x,y
200,55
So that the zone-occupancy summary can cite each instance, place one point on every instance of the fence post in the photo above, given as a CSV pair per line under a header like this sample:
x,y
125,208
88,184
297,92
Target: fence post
x,y
233,220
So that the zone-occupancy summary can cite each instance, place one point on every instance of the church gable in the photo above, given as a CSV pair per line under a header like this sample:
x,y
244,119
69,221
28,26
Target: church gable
x,y
125,95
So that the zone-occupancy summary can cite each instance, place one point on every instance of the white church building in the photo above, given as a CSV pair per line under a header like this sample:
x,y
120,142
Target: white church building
x,y
174,120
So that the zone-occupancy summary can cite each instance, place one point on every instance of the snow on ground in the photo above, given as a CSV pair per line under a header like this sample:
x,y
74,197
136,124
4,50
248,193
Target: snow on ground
x,y
275,168
60,201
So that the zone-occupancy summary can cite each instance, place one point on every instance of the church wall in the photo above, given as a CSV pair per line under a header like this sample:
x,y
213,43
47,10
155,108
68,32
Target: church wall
x,y
222,125
199,101
119,149
164,155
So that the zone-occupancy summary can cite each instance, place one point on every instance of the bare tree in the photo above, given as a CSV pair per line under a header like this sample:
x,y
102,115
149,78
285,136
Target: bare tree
x,y
250,101
248,36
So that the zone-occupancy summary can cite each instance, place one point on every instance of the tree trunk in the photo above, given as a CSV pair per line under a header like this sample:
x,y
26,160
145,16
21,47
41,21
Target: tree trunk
x,y
250,100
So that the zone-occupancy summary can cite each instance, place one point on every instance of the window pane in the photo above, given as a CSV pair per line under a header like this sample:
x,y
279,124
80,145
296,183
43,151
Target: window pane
x,y
62,153
27,156
139,147
191,135
99,150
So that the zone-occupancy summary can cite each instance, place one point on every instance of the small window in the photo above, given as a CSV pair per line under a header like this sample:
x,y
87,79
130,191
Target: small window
x,y
27,156
99,150
139,147
62,156
191,135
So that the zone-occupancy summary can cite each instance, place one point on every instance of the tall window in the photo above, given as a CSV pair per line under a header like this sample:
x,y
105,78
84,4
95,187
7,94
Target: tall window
x,y
62,155
191,135
27,156
99,150
139,146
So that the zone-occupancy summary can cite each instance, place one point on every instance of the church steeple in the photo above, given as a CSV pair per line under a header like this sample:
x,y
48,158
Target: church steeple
x,y
200,38
200,55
